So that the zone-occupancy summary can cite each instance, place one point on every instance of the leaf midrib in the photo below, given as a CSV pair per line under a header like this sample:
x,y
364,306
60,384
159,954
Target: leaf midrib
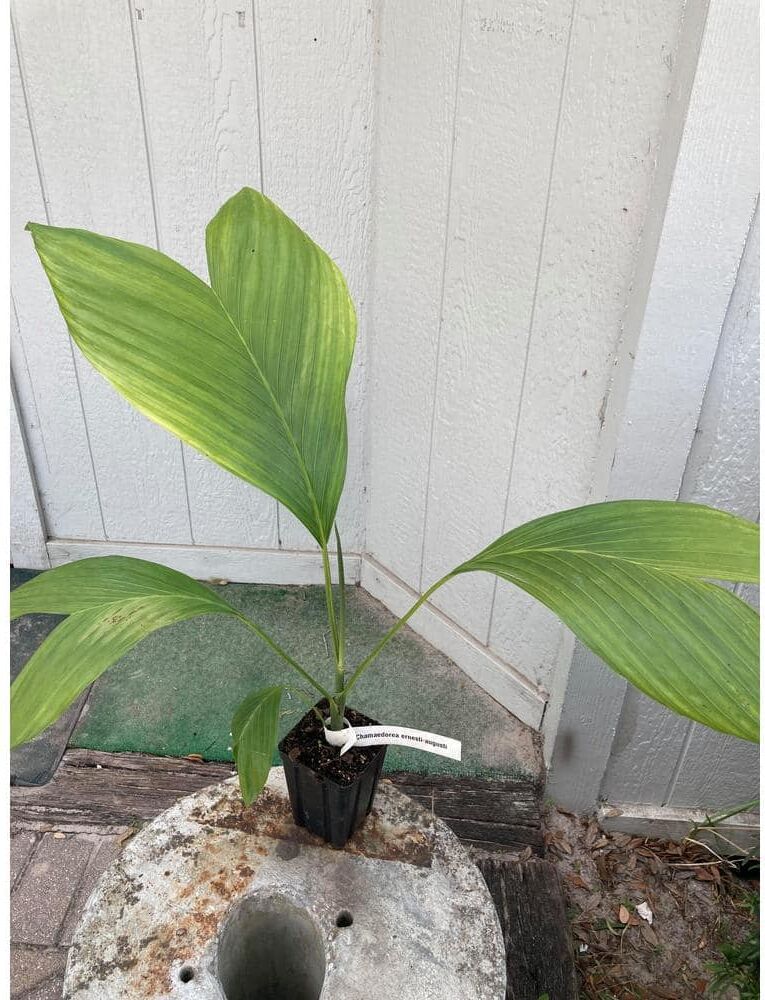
x,y
642,563
668,575
122,602
280,413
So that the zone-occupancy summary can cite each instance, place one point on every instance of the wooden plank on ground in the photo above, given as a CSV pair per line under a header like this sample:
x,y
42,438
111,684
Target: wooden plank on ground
x,y
492,815
117,790
530,903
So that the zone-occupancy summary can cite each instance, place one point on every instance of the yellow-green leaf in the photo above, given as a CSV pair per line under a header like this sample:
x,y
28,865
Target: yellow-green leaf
x,y
629,578
112,602
254,730
251,371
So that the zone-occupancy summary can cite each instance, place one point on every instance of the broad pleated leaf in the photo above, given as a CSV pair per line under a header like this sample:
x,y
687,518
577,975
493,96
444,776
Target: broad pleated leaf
x,y
251,372
254,730
112,603
628,578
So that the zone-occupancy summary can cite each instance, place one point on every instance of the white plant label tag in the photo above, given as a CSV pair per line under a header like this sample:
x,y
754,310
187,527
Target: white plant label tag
x,y
374,736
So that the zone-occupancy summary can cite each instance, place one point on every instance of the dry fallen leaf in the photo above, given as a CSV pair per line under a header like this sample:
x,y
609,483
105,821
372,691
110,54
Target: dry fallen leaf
x,y
592,833
649,934
578,881
624,915
705,875
58,835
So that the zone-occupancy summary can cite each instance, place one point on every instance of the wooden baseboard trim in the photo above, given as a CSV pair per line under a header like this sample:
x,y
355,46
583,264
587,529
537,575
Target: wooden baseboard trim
x,y
283,567
497,677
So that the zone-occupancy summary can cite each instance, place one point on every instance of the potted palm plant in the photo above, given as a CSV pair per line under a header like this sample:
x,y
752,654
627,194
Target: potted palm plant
x,y
251,370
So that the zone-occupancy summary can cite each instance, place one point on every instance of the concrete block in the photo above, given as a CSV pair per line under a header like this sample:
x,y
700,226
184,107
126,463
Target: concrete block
x,y
214,894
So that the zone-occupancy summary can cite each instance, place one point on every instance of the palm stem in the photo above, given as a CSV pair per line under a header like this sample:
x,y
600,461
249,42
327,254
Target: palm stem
x,y
284,655
368,660
329,599
340,672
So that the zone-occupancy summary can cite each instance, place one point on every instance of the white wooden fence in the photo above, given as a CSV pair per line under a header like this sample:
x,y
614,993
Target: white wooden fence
x,y
540,248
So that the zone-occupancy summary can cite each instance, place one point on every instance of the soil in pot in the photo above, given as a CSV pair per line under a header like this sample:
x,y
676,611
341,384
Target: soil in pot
x,y
330,795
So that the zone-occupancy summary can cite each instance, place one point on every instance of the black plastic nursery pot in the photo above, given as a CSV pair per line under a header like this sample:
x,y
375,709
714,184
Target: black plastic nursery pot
x,y
330,795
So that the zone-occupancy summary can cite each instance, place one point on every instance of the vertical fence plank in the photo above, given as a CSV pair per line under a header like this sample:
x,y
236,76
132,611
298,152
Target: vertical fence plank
x,y
699,240
82,93
611,119
198,74
41,354
315,74
418,52
657,755
715,772
28,534
511,74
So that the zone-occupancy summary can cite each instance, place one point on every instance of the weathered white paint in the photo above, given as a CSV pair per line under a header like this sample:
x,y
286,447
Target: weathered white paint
x,y
27,529
200,108
657,756
41,352
89,136
138,121
481,414
206,562
723,463
591,694
493,181
418,48
718,142
741,832
612,117
315,73
493,240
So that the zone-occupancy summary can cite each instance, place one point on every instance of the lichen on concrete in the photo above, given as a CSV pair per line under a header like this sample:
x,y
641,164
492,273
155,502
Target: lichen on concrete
x,y
423,925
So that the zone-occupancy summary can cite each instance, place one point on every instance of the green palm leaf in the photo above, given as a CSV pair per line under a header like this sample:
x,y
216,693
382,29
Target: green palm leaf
x,y
628,578
251,371
254,730
112,603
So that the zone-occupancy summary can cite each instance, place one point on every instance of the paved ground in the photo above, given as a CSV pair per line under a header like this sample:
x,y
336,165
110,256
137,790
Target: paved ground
x,y
52,875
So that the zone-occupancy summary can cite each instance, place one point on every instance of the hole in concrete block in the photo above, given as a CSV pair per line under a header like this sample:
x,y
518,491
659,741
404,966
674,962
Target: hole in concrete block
x,y
186,974
344,919
270,949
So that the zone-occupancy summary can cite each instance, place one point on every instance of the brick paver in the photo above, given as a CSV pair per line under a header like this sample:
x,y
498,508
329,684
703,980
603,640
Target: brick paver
x,y
22,846
44,894
106,851
37,973
52,876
